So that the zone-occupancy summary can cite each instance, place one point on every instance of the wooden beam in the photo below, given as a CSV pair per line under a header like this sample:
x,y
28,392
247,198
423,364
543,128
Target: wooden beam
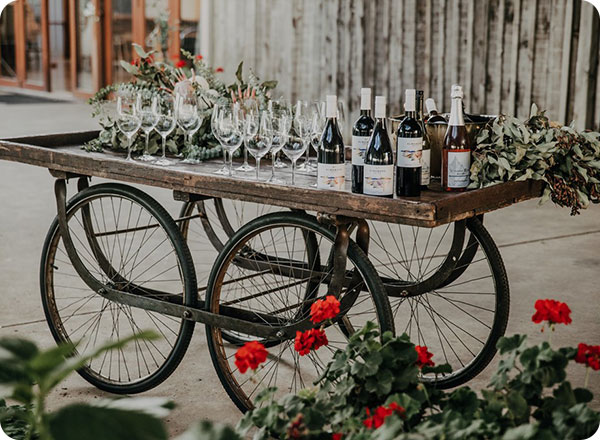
x,y
566,60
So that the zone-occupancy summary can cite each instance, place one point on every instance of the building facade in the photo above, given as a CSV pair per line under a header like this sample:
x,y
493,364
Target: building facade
x,y
76,45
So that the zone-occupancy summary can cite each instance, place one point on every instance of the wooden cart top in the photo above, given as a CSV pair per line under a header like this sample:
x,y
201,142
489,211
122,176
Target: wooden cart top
x,y
63,152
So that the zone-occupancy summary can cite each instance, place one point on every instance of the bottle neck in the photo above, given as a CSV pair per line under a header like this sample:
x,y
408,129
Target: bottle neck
x,y
411,114
365,112
456,113
381,122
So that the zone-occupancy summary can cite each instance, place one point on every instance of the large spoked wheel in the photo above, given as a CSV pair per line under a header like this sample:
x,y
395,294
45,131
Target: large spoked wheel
x,y
275,267
462,317
127,240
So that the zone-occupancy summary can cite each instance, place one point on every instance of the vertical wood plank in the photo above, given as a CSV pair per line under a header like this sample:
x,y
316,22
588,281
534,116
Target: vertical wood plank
x,y
368,30
573,59
297,55
420,55
470,38
480,56
526,54
409,44
493,83
356,58
511,107
428,50
450,49
587,60
509,72
542,48
566,59
343,61
249,45
552,83
396,59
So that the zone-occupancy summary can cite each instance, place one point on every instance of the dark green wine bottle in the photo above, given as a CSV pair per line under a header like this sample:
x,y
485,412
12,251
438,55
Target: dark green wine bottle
x,y
379,160
331,167
409,149
361,133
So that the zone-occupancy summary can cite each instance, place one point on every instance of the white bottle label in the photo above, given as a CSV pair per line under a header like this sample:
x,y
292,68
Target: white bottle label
x,y
331,176
359,149
426,170
378,180
459,166
409,152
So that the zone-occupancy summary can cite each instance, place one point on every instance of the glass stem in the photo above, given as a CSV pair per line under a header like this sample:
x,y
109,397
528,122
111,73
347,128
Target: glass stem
x,y
245,156
230,163
129,147
273,165
294,172
147,139
224,156
257,167
164,146
307,155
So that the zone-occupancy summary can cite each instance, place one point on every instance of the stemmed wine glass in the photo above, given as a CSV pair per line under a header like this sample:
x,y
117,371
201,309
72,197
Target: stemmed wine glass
x,y
303,113
281,121
229,130
318,125
128,120
249,109
146,107
293,149
214,121
259,143
165,125
188,118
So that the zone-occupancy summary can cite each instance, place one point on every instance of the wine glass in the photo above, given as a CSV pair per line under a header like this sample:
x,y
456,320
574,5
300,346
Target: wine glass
x,y
188,118
259,143
147,111
318,125
128,120
249,109
284,105
230,127
214,121
293,149
281,121
165,112
341,115
303,114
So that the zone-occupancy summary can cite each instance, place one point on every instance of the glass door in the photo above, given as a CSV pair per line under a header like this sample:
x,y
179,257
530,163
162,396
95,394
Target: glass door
x,y
85,46
36,36
8,45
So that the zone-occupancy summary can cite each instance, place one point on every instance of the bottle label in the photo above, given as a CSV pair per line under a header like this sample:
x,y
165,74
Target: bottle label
x,y
426,170
359,149
379,180
409,152
331,176
459,166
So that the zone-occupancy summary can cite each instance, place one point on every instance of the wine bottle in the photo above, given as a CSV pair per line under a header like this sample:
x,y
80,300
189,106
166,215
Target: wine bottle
x,y
426,155
379,160
361,133
409,148
331,168
434,116
456,150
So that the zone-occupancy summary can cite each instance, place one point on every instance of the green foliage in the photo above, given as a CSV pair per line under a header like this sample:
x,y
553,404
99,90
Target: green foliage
x,y
567,160
150,76
28,375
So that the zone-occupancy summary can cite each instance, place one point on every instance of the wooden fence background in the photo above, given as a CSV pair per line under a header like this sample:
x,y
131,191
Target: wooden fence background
x,y
506,53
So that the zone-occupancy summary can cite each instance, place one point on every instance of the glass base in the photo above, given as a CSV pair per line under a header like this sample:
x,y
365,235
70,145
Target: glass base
x,y
280,164
192,161
163,162
130,159
245,168
147,158
223,171
306,167
275,181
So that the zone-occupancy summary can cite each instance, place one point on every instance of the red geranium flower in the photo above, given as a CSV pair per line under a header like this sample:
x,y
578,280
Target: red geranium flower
x,y
199,57
555,312
589,355
250,355
309,340
336,436
322,310
381,413
219,69
424,357
135,62
180,63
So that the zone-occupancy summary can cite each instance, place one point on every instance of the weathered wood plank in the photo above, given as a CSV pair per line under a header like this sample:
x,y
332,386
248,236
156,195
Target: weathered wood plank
x,y
431,209
495,54
479,57
511,27
554,61
587,61
542,51
526,55
356,59
573,59
397,83
470,37
566,60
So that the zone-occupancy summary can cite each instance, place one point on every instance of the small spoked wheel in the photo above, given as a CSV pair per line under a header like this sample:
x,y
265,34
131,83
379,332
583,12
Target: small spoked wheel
x,y
461,318
128,241
273,269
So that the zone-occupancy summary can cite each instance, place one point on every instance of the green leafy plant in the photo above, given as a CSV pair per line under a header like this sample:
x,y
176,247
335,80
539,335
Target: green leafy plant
x,y
567,160
150,76
28,375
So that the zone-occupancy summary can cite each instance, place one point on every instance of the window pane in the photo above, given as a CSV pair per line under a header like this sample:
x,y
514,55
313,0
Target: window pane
x,y
189,34
8,65
157,25
122,38
86,17
33,40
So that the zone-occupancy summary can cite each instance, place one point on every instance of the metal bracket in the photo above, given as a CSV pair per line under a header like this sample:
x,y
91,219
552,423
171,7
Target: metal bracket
x,y
181,196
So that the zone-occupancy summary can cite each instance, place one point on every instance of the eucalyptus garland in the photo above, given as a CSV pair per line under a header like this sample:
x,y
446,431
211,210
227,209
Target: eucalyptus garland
x,y
566,159
150,76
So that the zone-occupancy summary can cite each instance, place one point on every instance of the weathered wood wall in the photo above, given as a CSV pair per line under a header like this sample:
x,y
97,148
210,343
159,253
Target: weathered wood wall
x,y
506,53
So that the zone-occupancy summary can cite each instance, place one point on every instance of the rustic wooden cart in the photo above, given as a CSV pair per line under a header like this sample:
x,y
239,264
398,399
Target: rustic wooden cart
x,y
115,263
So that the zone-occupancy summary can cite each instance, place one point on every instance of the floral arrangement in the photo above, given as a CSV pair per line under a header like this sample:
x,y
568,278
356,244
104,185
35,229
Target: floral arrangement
x,y
371,390
567,160
151,76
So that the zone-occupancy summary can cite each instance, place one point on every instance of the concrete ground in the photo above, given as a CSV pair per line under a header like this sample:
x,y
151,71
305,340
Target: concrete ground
x,y
547,253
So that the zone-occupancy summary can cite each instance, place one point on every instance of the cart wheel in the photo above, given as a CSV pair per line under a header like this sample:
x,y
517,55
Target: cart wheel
x,y
461,319
127,239
273,266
